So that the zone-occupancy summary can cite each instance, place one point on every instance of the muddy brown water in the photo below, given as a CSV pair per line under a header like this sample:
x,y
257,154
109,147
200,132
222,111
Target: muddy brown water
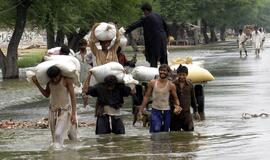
x,y
241,85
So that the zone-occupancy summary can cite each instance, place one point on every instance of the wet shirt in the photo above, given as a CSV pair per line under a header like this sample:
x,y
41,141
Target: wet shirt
x,y
112,98
160,96
186,95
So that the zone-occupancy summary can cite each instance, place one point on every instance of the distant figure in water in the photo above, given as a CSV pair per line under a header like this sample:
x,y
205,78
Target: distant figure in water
x,y
242,38
256,40
262,37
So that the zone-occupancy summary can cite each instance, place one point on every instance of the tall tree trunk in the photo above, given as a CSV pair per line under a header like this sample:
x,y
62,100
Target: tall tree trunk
x,y
60,37
3,62
204,31
222,33
11,66
74,39
50,37
213,37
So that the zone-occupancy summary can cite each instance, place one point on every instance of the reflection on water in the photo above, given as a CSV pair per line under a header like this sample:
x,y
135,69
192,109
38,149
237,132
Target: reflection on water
x,y
241,85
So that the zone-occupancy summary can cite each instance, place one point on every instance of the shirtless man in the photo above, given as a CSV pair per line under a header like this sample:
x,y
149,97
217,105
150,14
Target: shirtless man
x,y
62,111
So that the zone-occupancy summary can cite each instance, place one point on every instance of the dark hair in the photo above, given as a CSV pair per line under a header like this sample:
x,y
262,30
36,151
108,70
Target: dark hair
x,y
240,30
182,69
53,71
64,50
146,7
165,66
83,42
110,80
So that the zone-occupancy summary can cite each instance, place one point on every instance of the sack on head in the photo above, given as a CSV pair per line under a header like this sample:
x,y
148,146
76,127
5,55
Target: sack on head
x,y
105,31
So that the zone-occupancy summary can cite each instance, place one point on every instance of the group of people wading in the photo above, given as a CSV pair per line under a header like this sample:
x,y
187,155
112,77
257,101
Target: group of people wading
x,y
171,99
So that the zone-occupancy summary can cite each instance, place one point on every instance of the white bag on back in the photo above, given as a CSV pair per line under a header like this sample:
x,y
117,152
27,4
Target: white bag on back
x,y
105,31
123,42
67,69
69,59
112,68
143,73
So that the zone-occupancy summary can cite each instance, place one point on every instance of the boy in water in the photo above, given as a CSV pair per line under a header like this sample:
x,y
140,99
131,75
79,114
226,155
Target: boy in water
x,y
62,111
186,96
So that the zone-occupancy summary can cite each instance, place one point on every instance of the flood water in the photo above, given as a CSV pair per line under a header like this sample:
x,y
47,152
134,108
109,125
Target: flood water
x,y
241,85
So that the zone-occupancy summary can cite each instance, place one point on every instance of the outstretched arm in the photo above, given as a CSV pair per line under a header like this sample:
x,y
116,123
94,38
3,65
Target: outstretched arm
x,y
134,25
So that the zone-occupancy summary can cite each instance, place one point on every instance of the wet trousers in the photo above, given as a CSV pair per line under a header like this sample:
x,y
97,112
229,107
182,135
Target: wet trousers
x,y
160,120
61,126
103,125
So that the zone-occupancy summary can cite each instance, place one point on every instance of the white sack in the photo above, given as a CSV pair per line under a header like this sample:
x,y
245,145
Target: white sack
x,y
69,59
142,73
67,69
123,42
123,39
112,68
56,51
105,31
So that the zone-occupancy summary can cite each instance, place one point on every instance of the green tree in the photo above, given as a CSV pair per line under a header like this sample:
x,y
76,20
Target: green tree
x,y
9,62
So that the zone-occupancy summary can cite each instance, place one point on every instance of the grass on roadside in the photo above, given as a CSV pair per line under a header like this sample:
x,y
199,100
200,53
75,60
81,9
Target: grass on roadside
x,y
30,58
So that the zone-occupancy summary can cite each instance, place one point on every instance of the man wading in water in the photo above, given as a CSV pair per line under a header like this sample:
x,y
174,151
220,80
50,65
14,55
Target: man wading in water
x,y
62,112
161,89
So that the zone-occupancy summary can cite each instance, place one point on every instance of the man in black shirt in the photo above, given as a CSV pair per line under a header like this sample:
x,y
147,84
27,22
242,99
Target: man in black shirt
x,y
110,98
155,34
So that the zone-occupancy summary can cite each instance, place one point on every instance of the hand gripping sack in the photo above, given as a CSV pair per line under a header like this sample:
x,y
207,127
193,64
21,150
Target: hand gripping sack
x,y
143,73
105,31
